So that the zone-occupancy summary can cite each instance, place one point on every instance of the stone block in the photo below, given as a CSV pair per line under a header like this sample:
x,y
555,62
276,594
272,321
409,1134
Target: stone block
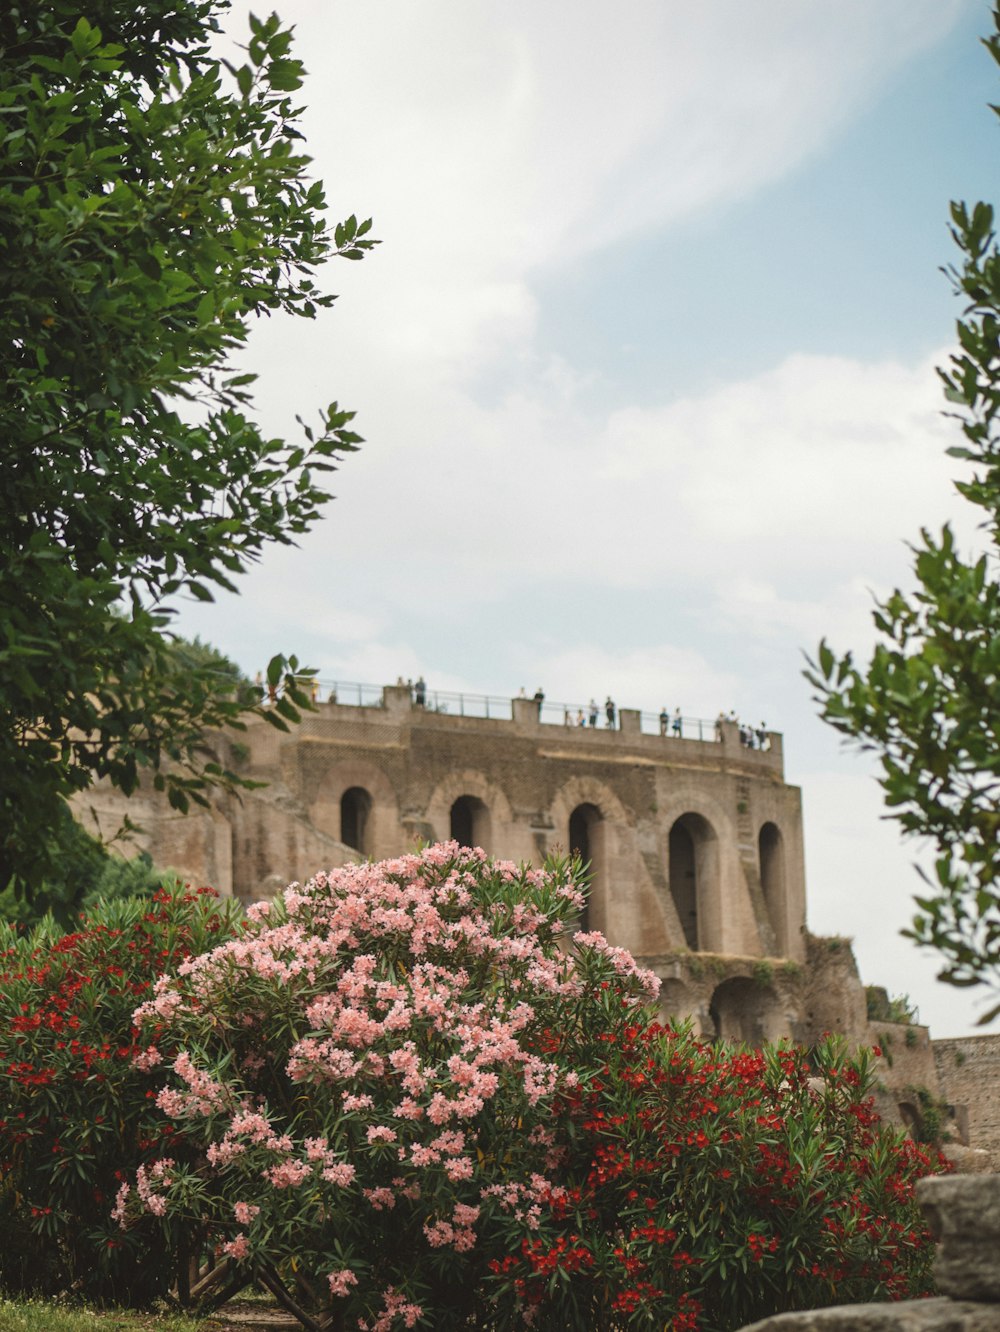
x,y
963,1213
940,1315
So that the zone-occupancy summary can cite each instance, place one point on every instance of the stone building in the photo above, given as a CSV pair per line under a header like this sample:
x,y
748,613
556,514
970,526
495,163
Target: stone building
x,y
695,845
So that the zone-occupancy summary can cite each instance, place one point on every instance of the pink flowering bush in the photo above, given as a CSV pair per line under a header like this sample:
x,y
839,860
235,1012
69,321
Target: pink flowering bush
x,y
368,1092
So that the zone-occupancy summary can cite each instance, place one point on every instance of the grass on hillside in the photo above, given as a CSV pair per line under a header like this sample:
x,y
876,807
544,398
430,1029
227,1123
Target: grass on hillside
x,y
39,1316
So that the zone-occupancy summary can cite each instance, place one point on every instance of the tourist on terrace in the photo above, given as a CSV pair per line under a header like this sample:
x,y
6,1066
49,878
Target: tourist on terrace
x,y
664,719
609,712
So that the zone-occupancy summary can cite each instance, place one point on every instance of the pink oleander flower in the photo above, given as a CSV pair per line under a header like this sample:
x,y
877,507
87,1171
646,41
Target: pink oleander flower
x,y
351,1102
148,1058
342,1281
237,1248
288,1174
380,1198
381,1133
341,1173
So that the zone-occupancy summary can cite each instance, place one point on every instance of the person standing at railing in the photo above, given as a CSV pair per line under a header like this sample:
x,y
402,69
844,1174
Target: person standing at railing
x,y
609,712
678,724
593,712
420,692
539,697
664,719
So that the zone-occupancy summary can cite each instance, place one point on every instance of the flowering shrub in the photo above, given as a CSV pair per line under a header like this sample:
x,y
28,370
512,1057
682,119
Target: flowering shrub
x,y
408,1095
707,1187
364,1070
76,1113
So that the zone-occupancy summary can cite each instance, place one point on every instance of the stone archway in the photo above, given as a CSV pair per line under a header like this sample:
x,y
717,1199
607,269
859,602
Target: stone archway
x,y
356,804
587,813
692,876
586,841
744,1009
356,819
470,823
771,859
483,812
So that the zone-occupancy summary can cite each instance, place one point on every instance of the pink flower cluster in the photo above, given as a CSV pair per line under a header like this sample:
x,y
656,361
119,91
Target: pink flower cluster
x,y
458,1232
150,1183
395,1306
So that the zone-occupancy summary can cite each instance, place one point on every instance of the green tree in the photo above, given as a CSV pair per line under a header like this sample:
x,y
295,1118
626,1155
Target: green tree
x,y
153,200
928,701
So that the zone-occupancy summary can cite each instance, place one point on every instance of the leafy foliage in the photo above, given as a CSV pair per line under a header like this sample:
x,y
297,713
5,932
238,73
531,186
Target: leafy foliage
x,y
928,701
406,1094
76,1113
153,201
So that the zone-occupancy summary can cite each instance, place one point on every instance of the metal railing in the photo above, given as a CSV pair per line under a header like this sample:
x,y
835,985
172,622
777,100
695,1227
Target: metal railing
x,y
352,693
434,700
573,716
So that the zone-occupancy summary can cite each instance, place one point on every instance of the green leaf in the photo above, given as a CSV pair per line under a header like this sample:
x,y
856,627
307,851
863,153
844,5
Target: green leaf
x,y
285,75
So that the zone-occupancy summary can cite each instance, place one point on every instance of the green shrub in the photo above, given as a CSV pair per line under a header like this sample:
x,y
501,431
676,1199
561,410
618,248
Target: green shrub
x,y
408,1094
76,1113
708,1186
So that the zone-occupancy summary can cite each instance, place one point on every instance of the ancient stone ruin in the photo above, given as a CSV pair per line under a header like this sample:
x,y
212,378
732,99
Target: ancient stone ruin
x,y
693,836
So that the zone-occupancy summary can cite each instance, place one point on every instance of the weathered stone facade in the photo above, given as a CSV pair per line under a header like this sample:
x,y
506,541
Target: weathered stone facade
x,y
968,1071
695,845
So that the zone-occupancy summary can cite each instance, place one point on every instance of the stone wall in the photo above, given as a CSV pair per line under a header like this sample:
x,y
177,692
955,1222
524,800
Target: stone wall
x,y
696,845
968,1071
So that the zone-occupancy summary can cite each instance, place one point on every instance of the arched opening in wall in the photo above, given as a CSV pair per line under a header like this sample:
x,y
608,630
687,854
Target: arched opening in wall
x,y
586,840
691,863
771,858
470,822
743,1009
356,819
910,1116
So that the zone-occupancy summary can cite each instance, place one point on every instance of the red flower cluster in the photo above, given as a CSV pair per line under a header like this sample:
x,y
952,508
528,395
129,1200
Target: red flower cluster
x,y
711,1187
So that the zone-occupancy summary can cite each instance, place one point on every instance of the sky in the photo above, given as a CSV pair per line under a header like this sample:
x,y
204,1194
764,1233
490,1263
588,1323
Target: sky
x,y
645,367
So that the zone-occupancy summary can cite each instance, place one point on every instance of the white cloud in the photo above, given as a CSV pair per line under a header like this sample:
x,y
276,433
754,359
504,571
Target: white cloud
x,y
804,480
490,141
